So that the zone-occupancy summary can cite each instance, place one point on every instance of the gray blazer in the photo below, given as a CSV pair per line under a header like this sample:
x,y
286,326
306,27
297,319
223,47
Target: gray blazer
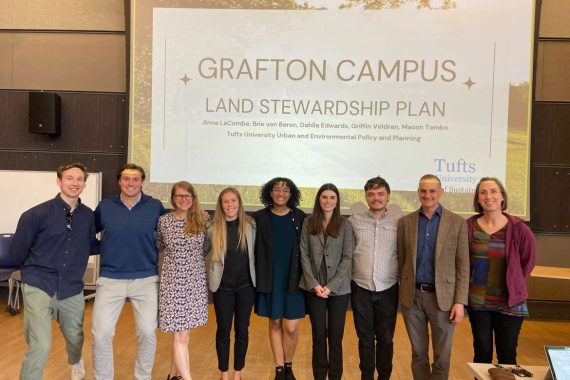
x,y
217,267
338,253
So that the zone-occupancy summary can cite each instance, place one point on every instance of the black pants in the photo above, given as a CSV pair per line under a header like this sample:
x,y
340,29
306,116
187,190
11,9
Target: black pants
x,y
327,322
375,321
228,303
506,329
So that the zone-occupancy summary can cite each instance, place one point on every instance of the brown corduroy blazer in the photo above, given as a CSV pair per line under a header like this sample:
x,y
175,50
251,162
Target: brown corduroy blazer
x,y
451,259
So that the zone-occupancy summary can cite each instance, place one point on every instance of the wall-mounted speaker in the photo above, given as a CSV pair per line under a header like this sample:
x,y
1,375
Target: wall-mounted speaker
x,y
45,113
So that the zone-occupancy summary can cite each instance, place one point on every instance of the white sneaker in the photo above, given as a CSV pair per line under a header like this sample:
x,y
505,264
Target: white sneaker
x,y
77,371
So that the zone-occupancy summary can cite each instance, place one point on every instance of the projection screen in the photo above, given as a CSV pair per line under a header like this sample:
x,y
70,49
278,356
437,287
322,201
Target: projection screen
x,y
234,93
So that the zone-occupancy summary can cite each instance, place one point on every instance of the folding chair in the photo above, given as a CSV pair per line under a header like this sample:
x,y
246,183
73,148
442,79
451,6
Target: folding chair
x,y
7,269
14,283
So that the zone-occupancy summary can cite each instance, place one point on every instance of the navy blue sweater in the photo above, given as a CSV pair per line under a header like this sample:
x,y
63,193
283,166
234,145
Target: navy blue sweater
x,y
128,249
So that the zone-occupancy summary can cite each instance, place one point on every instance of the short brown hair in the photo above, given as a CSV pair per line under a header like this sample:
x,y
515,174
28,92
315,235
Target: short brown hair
x,y
71,165
477,207
130,167
432,177
376,183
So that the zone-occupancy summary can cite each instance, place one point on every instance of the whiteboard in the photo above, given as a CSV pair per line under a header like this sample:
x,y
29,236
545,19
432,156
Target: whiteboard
x,y
21,190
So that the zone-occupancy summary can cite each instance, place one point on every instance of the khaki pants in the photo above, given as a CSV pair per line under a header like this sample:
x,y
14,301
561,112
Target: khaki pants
x,y
39,310
110,297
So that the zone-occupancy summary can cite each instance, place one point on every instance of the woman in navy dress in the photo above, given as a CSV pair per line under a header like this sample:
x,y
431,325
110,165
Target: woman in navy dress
x,y
278,270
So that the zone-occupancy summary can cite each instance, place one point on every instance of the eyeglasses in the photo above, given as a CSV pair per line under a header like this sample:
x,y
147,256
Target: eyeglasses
x,y
69,220
281,190
183,197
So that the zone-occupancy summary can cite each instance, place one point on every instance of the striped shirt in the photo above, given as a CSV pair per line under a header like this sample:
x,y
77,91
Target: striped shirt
x,y
488,288
375,259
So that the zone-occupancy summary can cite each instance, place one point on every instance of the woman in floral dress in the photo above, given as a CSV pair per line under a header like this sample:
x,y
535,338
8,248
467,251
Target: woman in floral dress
x,y
183,296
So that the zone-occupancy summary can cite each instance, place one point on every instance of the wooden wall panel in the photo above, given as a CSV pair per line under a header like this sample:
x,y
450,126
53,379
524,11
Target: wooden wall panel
x,y
551,134
550,153
552,73
108,15
100,116
13,118
63,62
548,289
93,131
89,123
550,211
554,19
6,43
553,250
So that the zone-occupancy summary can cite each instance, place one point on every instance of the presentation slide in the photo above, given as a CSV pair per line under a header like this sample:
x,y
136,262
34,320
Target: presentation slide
x,y
333,91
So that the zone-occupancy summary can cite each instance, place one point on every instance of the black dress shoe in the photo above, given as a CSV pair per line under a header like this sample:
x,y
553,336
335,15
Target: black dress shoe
x,y
173,377
279,373
289,372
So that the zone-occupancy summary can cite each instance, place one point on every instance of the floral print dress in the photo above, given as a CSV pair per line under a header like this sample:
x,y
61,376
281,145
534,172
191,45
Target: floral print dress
x,y
183,295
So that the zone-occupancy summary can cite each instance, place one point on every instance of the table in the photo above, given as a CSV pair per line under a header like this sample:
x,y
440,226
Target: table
x,y
551,272
479,370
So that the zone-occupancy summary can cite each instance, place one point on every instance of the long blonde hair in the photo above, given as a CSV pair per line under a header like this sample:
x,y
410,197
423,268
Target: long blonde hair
x,y
195,218
219,234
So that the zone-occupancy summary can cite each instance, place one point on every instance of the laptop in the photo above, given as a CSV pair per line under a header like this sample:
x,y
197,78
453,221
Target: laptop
x,y
559,361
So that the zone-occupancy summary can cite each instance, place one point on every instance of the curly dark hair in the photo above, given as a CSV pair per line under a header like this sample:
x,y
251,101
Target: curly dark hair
x,y
265,192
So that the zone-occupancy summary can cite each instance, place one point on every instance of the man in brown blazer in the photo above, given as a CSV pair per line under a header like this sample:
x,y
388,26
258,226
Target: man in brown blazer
x,y
433,260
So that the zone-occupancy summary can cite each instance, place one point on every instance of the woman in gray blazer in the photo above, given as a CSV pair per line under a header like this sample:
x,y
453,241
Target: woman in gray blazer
x,y
326,255
229,240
